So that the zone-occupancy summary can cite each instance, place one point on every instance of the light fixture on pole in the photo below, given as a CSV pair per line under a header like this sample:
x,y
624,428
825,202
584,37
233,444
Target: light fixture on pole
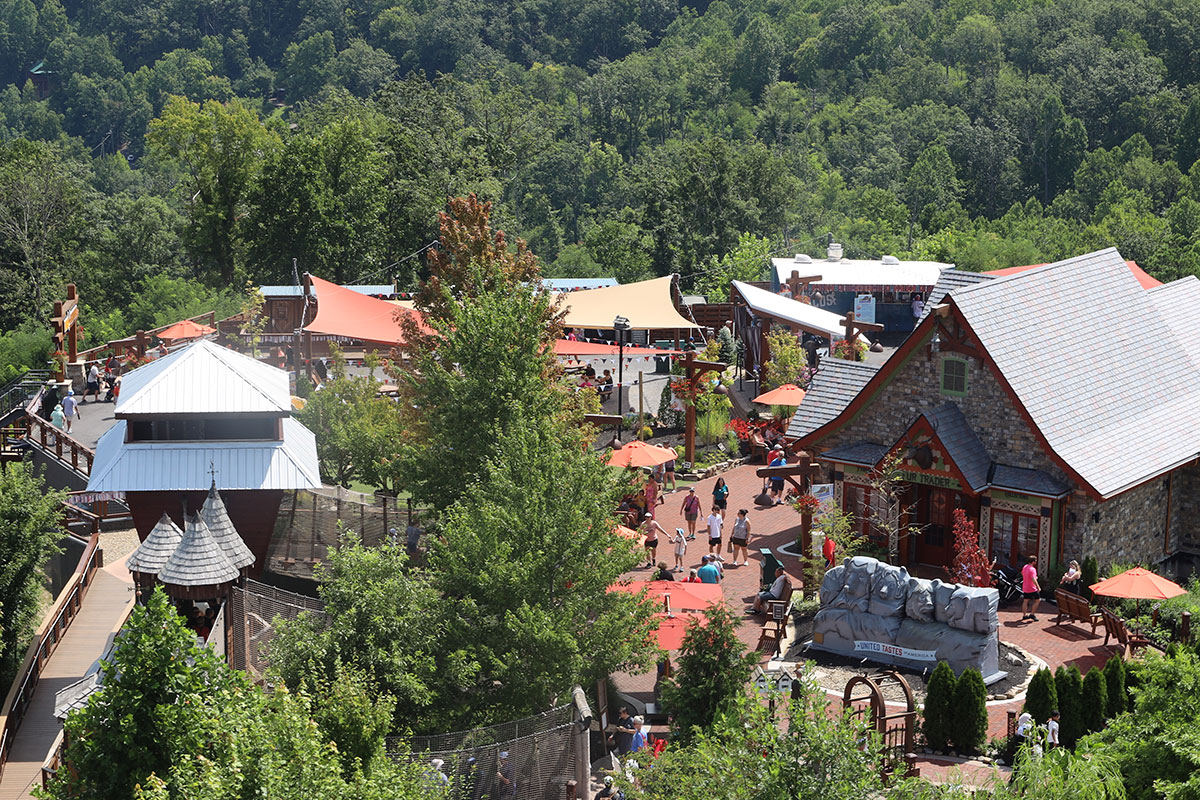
x,y
620,326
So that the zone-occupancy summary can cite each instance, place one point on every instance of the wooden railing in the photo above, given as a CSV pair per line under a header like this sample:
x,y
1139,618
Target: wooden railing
x,y
47,638
52,440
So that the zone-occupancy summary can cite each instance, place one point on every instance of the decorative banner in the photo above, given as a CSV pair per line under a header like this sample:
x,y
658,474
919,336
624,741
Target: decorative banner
x,y
822,491
894,651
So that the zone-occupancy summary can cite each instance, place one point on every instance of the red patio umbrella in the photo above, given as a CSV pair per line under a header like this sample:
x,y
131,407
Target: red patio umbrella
x,y
188,329
640,454
629,533
688,596
671,629
787,395
1138,584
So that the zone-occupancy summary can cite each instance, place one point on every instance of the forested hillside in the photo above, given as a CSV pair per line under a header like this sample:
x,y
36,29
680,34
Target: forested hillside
x,y
160,153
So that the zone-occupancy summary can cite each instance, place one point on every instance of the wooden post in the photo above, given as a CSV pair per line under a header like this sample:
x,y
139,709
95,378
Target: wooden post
x,y
694,370
798,285
805,469
571,788
854,327
641,396
72,339
1185,626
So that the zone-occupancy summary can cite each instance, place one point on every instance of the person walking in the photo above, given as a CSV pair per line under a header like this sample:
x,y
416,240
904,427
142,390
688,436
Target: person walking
x,y
720,495
681,546
639,735
778,459
669,471
1052,729
93,382
70,407
1029,586
651,529
715,521
57,418
690,509
739,538
828,548
708,572
50,399
623,734
654,498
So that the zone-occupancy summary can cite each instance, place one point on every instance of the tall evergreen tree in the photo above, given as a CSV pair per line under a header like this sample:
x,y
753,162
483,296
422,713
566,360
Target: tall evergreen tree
x,y
1114,676
1069,685
939,705
968,719
1042,697
1095,700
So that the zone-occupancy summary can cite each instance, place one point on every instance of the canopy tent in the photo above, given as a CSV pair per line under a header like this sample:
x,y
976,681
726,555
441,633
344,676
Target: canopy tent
x,y
673,627
187,329
566,347
646,304
345,312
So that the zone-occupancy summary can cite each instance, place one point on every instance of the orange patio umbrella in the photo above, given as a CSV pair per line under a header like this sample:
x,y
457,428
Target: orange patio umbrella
x,y
629,533
188,329
688,596
1138,584
640,454
787,395
671,628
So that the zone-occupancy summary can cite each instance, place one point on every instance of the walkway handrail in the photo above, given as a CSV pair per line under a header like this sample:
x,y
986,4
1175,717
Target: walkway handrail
x,y
17,392
47,638
56,441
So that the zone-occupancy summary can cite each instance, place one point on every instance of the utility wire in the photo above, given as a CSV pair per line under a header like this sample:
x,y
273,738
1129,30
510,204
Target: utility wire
x,y
362,278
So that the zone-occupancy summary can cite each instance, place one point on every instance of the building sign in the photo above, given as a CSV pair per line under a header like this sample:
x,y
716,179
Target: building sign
x,y
894,651
943,481
69,318
864,308
823,492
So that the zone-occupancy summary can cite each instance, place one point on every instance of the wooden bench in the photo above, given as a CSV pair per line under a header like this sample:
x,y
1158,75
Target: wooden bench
x,y
775,628
1076,609
1128,641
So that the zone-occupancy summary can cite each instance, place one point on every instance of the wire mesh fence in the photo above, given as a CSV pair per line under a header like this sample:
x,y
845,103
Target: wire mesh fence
x,y
250,615
530,758
310,522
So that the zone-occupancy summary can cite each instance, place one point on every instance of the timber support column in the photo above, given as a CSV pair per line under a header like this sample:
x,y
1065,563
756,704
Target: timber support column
x,y
693,371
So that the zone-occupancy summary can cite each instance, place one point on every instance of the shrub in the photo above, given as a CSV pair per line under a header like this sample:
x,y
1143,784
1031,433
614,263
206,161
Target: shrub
x,y
645,433
1042,697
939,700
304,385
1068,683
1095,700
968,718
1091,574
1114,678
710,427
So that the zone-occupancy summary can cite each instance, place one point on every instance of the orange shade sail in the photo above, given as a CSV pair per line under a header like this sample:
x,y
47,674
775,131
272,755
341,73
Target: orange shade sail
x,y
787,395
684,596
345,312
566,347
640,454
188,329
672,629
1138,584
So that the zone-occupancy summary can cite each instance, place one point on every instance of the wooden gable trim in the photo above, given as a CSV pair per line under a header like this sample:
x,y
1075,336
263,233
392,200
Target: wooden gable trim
x,y
921,423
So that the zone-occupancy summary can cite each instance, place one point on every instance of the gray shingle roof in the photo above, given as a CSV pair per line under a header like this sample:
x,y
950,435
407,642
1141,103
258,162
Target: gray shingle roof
x,y
198,560
1178,302
217,520
1027,481
1104,376
950,280
152,555
834,385
865,454
963,447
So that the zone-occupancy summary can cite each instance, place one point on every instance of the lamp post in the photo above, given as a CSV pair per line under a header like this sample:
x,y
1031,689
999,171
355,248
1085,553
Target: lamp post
x,y
620,326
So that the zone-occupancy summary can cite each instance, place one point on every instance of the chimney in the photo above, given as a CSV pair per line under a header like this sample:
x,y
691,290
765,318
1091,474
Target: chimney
x,y
835,251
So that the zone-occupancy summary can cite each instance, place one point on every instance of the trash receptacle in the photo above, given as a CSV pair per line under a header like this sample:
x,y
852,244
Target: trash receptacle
x,y
662,365
769,564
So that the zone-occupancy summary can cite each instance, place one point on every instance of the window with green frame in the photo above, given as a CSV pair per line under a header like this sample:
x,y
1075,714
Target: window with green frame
x,y
954,376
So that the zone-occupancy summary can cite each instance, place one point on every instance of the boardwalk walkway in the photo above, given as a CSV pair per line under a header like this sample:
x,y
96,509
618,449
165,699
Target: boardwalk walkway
x,y
84,643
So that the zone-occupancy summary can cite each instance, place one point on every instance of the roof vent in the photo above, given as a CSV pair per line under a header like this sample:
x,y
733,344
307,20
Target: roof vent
x,y
801,258
835,251
892,260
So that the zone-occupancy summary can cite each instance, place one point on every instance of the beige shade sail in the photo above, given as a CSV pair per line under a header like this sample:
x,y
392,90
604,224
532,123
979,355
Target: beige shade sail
x,y
646,304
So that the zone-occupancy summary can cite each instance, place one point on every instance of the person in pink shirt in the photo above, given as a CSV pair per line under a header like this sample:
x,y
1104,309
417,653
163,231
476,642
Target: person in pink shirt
x,y
1031,588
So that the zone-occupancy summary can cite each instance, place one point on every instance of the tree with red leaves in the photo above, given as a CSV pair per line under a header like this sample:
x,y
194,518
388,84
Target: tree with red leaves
x,y
970,565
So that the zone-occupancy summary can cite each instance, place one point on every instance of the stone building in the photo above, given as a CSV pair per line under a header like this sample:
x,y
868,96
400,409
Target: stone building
x,y
1059,407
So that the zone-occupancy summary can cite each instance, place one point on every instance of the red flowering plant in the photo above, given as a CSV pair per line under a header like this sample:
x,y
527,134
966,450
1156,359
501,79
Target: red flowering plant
x,y
843,350
807,504
970,565
741,427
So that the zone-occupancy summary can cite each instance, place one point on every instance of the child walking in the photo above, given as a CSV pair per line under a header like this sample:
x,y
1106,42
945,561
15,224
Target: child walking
x,y
681,545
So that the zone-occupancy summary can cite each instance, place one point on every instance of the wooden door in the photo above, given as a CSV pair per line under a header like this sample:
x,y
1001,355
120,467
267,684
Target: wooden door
x,y
935,513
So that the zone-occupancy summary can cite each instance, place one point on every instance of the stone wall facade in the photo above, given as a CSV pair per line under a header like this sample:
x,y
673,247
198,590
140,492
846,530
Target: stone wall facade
x,y
1131,526
1185,509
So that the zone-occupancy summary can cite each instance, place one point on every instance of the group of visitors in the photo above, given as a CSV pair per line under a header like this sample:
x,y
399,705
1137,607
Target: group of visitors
x,y
198,621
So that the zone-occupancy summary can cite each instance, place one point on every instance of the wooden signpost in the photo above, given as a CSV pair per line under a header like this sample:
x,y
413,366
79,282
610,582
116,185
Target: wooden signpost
x,y
854,327
800,476
798,285
66,325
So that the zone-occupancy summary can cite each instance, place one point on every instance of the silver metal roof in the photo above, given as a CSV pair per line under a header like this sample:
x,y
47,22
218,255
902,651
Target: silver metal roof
x,y
121,466
198,560
221,527
152,554
204,378
1098,365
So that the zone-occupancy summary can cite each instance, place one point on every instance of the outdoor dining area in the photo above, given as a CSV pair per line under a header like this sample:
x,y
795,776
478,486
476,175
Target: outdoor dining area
x,y
1137,584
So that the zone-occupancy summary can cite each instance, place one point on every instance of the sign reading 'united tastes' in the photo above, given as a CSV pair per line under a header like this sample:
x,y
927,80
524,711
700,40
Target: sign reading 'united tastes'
x,y
893,650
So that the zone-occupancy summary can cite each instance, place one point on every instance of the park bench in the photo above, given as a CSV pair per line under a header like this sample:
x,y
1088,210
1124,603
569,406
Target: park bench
x,y
1128,641
1075,609
778,611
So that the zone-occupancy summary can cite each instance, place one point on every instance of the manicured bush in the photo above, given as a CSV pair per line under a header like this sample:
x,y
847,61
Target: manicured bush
x,y
939,700
1114,678
1042,697
968,716
1095,700
1091,574
1069,685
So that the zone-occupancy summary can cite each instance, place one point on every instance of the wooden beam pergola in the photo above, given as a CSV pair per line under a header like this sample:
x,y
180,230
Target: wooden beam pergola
x,y
694,370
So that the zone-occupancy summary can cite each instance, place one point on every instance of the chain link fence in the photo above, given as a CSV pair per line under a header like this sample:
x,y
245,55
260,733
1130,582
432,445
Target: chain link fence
x,y
250,615
530,758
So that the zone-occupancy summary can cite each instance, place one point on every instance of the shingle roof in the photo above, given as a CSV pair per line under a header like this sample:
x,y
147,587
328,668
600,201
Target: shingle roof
x,y
963,447
866,454
1178,302
1027,481
216,518
121,466
204,378
152,554
836,382
198,560
948,281
1095,363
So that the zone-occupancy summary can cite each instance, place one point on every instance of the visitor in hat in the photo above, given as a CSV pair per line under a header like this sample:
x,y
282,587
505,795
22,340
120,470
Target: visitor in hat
x,y
690,510
70,409
506,782
57,418
708,572
50,399
778,459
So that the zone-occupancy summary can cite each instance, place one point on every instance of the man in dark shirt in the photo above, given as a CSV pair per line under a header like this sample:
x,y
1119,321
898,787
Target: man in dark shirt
x,y
624,733
506,783
412,537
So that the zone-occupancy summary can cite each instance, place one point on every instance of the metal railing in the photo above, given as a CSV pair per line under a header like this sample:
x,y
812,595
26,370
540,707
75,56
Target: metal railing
x,y
45,641
20,390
